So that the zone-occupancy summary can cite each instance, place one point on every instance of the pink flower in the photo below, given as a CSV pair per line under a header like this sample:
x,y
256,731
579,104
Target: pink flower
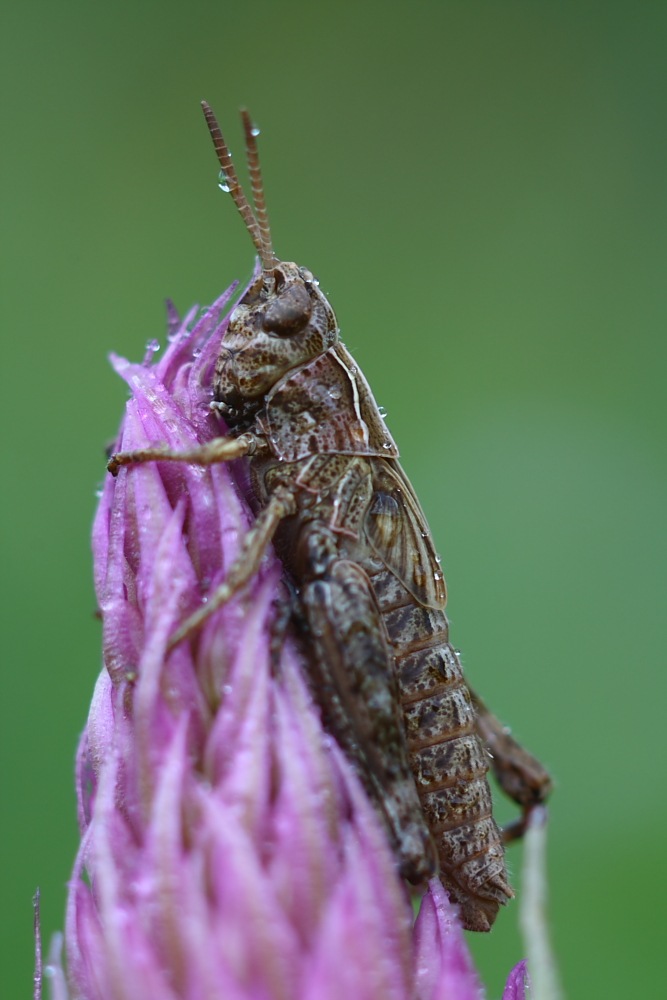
x,y
228,851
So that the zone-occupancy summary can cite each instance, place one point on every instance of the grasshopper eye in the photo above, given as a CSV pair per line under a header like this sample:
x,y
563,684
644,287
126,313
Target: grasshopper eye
x,y
289,313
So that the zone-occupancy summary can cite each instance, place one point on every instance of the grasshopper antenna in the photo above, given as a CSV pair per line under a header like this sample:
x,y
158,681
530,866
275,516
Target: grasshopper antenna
x,y
234,186
251,133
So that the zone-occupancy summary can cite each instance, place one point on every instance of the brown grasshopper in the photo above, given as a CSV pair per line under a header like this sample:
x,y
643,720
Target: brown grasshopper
x,y
369,588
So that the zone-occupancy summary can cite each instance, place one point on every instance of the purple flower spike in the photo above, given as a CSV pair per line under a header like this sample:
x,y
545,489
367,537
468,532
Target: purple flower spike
x,y
443,966
517,981
228,850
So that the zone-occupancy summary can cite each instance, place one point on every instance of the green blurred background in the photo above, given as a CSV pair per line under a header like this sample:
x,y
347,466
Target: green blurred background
x,y
482,189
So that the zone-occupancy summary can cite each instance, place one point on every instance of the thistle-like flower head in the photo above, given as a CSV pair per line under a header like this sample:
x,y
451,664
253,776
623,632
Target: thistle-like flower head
x,y
228,851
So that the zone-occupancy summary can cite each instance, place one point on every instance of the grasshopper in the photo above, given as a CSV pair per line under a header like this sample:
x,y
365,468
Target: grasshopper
x,y
368,587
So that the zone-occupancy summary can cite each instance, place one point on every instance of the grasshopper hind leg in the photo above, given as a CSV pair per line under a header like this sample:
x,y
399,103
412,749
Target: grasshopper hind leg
x,y
520,775
353,679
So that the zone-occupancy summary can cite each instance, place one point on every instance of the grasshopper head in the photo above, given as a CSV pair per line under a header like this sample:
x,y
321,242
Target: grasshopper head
x,y
283,320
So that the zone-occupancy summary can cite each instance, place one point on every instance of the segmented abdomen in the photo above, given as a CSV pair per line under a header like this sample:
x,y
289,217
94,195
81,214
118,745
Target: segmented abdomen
x,y
448,760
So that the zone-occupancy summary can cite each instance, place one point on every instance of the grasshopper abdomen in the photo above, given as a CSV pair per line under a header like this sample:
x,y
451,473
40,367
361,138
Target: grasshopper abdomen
x,y
448,759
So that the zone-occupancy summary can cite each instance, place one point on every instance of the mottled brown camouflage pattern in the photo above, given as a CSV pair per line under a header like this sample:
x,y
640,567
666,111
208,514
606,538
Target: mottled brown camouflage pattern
x,y
372,648
370,592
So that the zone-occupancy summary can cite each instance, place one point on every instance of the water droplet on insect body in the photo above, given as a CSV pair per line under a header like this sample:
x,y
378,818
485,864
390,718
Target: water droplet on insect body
x,y
438,557
223,182
437,576
254,131
382,412
387,445
335,392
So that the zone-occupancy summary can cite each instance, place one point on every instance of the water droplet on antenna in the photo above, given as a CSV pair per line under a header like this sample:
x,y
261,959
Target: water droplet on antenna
x,y
223,182
254,130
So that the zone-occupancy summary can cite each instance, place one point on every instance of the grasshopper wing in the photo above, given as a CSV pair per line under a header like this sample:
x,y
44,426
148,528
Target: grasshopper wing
x,y
398,532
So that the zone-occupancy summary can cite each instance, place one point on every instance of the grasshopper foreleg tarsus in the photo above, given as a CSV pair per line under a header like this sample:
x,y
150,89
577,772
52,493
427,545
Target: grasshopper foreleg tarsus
x,y
220,449
253,549
519,774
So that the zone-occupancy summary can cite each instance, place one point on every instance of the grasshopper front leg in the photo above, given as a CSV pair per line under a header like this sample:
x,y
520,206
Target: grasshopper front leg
x,y
220,449
258,538
518,773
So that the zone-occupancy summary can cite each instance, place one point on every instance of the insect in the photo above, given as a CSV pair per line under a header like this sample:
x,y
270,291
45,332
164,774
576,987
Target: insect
x,y
369,589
